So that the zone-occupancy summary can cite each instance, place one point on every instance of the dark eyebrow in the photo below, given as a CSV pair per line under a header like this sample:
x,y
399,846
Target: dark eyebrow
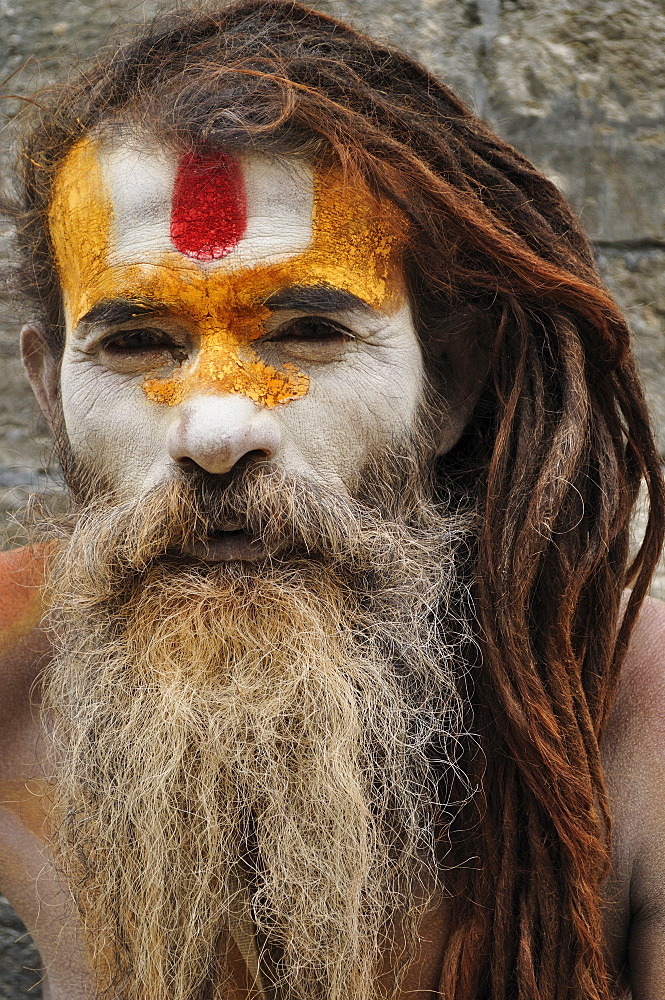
x,y
122,310
315,298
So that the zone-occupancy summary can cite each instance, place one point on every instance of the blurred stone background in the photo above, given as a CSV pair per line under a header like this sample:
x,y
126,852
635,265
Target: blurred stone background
x,y
578,86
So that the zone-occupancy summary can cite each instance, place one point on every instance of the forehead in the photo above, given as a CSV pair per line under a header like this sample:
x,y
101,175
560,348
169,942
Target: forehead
x,y
130,220
213,208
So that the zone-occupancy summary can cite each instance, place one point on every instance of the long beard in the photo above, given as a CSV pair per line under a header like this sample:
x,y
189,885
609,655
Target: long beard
x,y
275,737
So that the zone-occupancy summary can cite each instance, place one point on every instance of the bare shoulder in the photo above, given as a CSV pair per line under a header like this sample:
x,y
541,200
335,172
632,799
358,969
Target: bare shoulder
x,y
645,659
639,711
21,644
633,751
634,743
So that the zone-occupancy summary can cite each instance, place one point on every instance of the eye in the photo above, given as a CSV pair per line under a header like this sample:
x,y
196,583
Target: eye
x,y
140,340
312,330
141,350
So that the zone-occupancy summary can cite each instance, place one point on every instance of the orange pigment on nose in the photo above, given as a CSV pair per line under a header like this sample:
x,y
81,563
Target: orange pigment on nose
x,y
226,361
219,369
355,247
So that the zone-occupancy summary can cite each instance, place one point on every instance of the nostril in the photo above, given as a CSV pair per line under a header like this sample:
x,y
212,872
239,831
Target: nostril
x,y
256,455
249,458
187,463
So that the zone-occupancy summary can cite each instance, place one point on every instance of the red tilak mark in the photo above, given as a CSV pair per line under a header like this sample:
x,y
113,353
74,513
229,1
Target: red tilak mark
x,y
209,209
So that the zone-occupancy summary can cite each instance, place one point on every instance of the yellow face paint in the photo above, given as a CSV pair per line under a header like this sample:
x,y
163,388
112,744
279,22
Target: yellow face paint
x,y
355,247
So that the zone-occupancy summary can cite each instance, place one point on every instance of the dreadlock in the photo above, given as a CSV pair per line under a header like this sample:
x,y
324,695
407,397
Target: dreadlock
x,y
553,458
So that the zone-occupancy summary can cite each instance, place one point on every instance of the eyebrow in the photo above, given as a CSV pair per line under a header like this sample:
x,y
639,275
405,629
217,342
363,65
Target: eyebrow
x,y
300,298
122,310
317,298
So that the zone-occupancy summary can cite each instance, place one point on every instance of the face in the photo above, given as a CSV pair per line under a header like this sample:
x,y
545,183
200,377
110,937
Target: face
x,y
219,310
222,308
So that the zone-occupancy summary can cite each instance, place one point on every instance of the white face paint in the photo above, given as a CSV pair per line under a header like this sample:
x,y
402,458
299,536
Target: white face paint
x,y
285,335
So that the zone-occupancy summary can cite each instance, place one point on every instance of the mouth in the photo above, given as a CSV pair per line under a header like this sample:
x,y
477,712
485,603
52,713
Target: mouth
x,y
226,546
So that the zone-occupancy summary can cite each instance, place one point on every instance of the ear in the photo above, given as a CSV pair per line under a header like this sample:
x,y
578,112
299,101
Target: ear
x,y
41,367
460,362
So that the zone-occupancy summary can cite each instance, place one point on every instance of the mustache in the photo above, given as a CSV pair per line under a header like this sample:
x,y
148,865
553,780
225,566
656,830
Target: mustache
x,y
291,515
288,514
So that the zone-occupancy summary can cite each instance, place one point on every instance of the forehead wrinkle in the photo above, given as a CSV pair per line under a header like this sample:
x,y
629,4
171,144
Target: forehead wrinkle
x,y
246,297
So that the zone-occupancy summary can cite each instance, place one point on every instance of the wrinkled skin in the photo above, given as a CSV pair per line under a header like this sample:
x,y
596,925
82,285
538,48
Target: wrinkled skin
x,y
364,368
360,352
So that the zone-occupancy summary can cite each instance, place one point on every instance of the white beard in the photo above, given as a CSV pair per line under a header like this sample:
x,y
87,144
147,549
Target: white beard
x,y
285,726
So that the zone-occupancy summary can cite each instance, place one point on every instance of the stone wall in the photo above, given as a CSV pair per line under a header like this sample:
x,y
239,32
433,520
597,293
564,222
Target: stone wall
x,y
579,87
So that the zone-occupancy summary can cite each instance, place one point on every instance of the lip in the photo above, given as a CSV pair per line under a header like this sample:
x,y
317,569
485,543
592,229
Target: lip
x,y
227,546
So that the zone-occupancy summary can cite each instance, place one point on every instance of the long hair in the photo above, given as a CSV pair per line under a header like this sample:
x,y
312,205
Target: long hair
x,y
553,458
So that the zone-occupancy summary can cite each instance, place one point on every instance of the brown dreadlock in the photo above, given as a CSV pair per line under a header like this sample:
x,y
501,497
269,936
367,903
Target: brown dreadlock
x,y
553,459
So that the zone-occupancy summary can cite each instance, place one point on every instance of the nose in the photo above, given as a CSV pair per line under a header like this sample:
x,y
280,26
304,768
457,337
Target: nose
x,y
218,431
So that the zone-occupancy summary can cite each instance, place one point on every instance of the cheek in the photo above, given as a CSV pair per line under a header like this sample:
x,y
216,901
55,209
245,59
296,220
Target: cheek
x,y
357,408
117,433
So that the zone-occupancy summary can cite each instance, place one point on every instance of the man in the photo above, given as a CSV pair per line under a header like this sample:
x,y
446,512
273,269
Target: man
x,y
330,640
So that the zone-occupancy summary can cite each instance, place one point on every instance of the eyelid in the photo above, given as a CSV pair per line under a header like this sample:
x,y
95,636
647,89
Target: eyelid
x,y
310,318
170,339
